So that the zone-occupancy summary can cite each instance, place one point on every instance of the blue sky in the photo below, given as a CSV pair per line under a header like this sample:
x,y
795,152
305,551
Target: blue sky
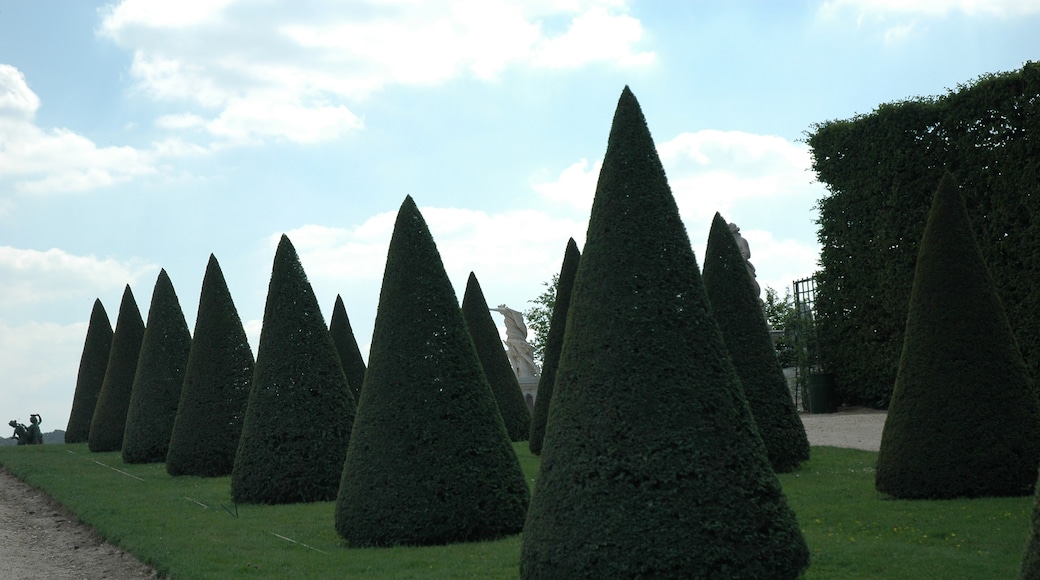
x,y
143,135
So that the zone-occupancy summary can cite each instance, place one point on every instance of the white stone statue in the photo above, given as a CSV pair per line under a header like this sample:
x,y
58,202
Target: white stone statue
x,y
745,252
520,353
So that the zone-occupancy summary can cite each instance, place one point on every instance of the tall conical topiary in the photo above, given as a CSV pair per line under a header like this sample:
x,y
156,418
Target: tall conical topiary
x,y
300,409
347,348
735,306
964,420
159,376
216,386
429,461
493,360
553,345
652,466
109,420
92,364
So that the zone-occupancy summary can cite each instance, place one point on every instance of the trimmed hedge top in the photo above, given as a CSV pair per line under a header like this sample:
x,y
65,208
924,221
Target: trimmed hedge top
x,y
159,376
964,419
651,466
300,409
736,307
553,344
92,365
109,420
430,460
495,362
217,381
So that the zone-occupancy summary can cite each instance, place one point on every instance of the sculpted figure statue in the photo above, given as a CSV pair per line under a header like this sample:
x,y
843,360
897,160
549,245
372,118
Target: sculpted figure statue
x,y
520,354
33,432
21,434
745,251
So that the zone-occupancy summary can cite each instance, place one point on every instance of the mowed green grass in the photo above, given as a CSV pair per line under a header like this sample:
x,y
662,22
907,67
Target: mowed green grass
x,y
187,527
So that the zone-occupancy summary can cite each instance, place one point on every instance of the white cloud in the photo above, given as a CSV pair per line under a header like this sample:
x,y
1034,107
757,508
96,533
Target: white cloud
x,y
51,276
261,70
934,8
38,161
750,179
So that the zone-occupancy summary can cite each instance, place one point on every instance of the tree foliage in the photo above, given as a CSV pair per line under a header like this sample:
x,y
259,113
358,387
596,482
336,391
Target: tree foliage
x,y
217,380
429,461
159,377
347,348
493,359
300,410
109,419
91,376
652,466
562,283
964,419
735,306
880,170
539,317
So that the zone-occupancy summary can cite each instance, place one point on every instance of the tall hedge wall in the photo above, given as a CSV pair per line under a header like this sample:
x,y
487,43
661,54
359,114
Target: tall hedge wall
x,y
880,170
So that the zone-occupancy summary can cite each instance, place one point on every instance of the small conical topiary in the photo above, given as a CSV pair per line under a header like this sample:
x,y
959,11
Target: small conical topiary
x,y
964,420
652,466
347,348
493,360
216,386
735,306
553,345
92,364
159,376
109,420
300,409
429,461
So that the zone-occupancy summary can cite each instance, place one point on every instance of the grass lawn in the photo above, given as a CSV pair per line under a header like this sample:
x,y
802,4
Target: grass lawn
x,y
187,527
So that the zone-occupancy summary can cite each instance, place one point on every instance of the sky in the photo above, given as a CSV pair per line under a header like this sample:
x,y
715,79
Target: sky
x,y
142,135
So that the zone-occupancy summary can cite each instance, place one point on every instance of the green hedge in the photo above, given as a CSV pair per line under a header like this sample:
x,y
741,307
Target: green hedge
x,y
652,466
964,419
736,307
430,460
880,170
553,345
109,420
300,410
217,381
91,376
159,377
495,362
347,348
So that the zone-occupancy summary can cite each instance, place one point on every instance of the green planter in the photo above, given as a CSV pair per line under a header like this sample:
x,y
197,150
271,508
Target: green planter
x,y
821,393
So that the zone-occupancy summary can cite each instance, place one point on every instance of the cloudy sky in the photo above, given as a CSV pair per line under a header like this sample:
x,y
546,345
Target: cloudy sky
x,y
142,135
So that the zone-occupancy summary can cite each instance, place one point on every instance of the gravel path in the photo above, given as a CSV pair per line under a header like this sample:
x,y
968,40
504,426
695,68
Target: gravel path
x,y
41,539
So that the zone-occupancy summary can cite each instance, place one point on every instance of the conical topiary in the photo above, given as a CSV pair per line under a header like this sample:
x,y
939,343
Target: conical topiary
x,y
553,345
347,348
109,419
216,386
92,364
159,376
429,461
300,409
652,466
735,306
964,420
493,360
